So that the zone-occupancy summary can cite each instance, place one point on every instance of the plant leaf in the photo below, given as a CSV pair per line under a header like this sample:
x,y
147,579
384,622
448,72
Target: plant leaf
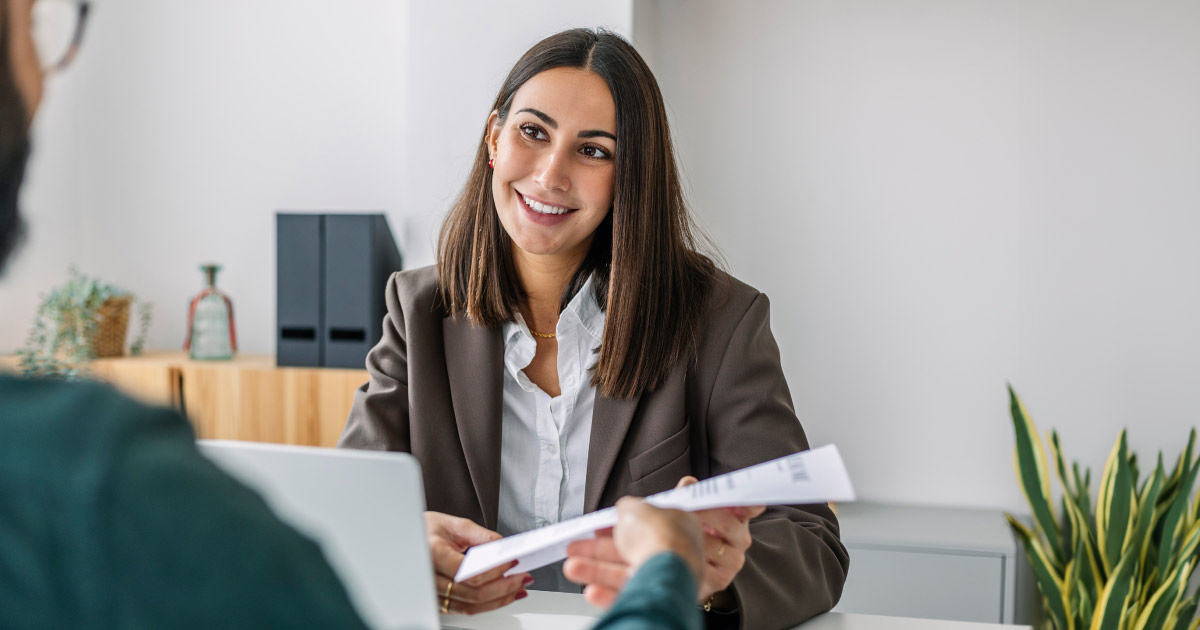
x,y
1160,604
1060,466
1087,571
1085,610
1030,461
1112,609
1147,508
1187,610
1083,485
1173,524
1115,506
1182,465
1049,582
1187,549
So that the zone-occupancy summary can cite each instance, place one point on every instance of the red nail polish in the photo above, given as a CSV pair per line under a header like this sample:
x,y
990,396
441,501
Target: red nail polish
x,y
527,581
522,595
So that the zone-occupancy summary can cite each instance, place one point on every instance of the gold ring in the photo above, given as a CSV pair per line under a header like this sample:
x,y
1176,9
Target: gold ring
x,y
721,550
446,600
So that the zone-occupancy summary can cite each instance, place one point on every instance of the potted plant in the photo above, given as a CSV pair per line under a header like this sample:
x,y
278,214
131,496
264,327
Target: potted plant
x,y
1122,561
79,321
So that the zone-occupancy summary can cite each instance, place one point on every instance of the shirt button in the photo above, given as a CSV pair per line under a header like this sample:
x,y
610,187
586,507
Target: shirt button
x,y
552,448
569,381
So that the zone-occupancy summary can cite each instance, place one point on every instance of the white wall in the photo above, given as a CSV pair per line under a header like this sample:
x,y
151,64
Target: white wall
x,y
938,196
189,124
185,126
47,203
943,195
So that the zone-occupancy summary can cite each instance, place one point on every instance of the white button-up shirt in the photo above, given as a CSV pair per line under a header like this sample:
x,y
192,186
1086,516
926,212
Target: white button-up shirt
x,y
544,444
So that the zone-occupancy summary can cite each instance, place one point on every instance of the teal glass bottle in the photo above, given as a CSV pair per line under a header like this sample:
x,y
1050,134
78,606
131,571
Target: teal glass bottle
x,y
211,335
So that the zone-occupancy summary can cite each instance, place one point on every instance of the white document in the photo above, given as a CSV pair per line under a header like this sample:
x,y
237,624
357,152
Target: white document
x,y
813,476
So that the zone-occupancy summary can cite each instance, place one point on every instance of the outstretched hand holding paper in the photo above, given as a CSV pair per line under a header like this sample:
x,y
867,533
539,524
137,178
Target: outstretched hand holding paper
x,y
813,476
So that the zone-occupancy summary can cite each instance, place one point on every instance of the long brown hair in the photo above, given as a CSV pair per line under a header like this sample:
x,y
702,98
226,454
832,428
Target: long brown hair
x,y
650,278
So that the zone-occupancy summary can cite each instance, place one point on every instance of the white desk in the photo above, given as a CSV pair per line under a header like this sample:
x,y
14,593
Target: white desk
x,y
564,611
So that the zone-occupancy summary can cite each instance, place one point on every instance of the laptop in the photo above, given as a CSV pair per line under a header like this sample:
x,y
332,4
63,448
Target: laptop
x,y
364,508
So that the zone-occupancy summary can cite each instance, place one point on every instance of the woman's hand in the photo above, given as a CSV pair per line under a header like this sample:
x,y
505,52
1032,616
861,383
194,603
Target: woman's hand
x,y
726,539
449,539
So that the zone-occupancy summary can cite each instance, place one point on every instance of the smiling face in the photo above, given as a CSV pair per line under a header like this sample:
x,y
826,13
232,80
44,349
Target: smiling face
x,y
554,162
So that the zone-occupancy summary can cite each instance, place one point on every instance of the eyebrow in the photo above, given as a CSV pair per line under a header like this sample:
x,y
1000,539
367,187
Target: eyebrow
x,y
590,133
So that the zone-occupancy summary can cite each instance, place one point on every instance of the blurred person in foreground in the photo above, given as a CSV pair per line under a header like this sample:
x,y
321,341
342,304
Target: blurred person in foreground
x,y
110,517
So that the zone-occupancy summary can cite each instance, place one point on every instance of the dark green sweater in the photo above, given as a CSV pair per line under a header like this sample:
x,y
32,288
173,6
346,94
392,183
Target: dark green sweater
x,y
110,518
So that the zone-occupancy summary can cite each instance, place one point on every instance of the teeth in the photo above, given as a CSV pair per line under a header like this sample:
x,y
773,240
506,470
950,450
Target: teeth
x,y
544,208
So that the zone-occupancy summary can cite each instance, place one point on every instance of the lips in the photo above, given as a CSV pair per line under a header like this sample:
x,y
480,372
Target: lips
x,y
544,208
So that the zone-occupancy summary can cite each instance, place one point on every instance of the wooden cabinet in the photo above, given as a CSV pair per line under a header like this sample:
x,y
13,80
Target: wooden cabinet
x,y
248,398
251,399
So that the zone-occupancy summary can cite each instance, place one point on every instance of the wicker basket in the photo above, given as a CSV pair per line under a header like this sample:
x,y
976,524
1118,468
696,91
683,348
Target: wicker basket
x,y
112,323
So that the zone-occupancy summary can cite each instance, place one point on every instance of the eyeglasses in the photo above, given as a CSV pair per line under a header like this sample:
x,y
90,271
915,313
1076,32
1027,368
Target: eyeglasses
x,y
58,30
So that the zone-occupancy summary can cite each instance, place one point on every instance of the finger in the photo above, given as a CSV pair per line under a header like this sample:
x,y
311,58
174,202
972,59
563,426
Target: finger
x,y
739,537
734,533
491,575
718,522
718,577
600,596
686,481
745,513
492,591
715,548
467,533
460,608
722,564
446,558
591,571
598,548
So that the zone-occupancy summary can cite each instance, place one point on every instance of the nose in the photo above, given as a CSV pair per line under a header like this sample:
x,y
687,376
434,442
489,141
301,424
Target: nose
x,y
552,171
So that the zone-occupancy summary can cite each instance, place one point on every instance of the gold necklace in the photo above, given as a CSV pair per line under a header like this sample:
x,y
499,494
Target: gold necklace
x,y
543,335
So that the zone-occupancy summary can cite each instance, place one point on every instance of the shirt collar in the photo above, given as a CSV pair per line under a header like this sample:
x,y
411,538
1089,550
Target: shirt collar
x,y
582,308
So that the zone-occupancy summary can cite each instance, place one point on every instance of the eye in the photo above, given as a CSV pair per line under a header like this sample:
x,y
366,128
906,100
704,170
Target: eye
x,y
596,152
533,132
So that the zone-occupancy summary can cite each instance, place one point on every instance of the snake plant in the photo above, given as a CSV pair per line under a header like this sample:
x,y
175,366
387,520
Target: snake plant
x,y
1122,563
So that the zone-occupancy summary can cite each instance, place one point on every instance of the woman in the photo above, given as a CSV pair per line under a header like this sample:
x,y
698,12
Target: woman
x,y
572,346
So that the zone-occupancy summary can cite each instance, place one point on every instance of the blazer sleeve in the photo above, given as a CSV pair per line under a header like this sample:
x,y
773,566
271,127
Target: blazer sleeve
x,y
379,417
796,566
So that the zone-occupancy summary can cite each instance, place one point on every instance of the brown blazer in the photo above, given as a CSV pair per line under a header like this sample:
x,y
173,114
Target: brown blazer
x,y
436,387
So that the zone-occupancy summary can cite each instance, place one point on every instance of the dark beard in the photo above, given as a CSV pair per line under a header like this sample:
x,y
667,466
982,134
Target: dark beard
x,y
12,228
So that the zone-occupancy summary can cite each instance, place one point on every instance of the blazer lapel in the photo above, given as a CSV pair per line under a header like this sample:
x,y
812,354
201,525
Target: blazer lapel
x,y
474,363
610,422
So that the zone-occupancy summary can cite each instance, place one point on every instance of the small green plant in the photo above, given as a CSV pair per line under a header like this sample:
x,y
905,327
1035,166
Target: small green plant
x,y
1124,566
63,337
